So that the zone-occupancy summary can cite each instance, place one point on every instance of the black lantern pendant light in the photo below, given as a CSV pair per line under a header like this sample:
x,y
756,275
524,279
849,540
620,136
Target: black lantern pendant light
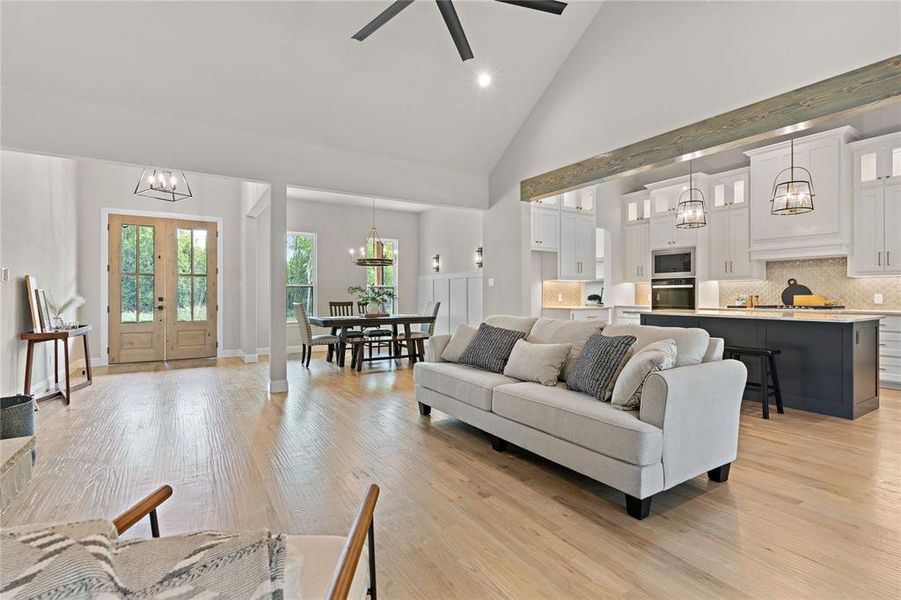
x,y
377,258
691,212
792,190
163,185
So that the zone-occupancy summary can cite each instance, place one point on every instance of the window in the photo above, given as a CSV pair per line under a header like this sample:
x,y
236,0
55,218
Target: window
x,y
301,276
190,293
383,277
136,274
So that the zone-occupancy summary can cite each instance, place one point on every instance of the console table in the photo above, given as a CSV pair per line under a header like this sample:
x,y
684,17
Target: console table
x,y
63,335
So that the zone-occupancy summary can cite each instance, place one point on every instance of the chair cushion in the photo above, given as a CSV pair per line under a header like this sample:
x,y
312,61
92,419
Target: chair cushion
x,y
558,331
491,347
319,340
601,361
466,384
310,562
582,420
691,342
376,332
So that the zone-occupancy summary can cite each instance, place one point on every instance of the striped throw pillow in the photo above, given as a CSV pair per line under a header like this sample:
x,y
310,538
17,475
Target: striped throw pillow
x,y
599,364
490,348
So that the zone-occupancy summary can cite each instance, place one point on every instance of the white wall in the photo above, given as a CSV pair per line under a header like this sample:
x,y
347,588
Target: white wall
x,y
38,237
644,68
454,235
339,228
111,185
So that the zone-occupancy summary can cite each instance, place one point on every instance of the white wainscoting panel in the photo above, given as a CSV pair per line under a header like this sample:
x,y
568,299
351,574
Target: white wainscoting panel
x,y
460,295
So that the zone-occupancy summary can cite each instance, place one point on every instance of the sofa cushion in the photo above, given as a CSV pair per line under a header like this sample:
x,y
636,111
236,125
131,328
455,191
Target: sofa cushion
x,y
491,347
466,384
540,363
558,331
655,357
602,359
582,420
458,343
514,322
691,342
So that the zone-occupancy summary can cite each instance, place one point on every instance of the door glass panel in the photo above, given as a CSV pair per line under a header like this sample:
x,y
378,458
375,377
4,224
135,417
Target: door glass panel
x,y
128,298
738,192
199,250
145,249
719,194
129,249
896,162
199,298
184,251
183,297
145,298
868,166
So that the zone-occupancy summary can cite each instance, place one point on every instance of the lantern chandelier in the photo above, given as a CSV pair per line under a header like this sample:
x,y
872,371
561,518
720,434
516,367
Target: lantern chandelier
x,y
792,190
691,212
165,185
374,241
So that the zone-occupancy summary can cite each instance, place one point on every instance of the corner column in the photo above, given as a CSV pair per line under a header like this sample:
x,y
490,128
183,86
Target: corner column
x,y
278,328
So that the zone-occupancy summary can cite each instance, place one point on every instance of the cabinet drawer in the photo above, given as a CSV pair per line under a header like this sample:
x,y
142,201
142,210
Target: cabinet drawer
x,y
891,362
590,315
890,324
887,337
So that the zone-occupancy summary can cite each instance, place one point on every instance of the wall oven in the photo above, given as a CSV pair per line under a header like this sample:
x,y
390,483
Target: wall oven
x,y
675,292
673,263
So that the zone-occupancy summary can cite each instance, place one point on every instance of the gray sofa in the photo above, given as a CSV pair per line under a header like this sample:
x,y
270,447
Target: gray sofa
x,y
687,424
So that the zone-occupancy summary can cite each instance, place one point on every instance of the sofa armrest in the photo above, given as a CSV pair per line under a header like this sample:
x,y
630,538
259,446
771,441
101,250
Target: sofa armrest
x,y
435,346
697,407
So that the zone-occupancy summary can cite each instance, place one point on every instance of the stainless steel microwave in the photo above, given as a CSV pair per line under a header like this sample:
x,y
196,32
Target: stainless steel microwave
x,y
678,262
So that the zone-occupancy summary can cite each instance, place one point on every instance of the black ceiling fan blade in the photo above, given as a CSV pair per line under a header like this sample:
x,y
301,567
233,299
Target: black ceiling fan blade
x,y
548,6
383,17
455,28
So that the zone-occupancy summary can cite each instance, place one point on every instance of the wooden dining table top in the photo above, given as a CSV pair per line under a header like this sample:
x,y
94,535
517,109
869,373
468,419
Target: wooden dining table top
x,y
366,321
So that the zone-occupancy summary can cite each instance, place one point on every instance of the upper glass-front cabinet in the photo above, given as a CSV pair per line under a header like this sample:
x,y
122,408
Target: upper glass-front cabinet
x,y
550,201
582,200
877,159
637,206
730,188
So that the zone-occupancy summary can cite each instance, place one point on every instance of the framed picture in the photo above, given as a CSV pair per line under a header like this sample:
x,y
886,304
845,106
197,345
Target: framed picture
x,y
31,291
44,311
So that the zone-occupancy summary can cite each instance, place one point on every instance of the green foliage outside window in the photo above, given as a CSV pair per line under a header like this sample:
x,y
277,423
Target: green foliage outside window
x,y
301,274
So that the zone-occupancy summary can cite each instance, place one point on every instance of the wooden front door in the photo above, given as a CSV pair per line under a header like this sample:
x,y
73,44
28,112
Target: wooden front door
x,y
162,289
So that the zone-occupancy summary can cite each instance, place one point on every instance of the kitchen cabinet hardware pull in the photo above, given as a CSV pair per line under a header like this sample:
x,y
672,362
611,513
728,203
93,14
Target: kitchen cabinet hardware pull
x,y
888,258
879,259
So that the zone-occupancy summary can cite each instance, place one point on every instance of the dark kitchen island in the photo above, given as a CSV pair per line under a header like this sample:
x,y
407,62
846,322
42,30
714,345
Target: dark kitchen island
x,y
829,362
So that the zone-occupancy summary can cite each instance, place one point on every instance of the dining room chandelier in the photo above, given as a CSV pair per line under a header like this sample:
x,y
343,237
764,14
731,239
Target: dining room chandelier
x,y
162,184
691,213
374,242
792,189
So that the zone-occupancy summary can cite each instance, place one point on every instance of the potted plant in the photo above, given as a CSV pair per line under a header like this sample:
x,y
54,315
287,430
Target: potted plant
x,y
374,297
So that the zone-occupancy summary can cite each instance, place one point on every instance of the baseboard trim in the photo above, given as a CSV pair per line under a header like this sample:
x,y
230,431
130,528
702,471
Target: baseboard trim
x,y
230,354
250,358
277,387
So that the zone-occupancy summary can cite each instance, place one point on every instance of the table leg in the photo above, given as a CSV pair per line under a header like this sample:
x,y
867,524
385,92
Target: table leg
x,y
66,358
395,345
29,363
87,359
55,365
342,346
410,352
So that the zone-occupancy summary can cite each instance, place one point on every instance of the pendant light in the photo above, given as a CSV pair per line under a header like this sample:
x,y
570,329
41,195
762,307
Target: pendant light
x,y
165,185
691,212
792,190
377,258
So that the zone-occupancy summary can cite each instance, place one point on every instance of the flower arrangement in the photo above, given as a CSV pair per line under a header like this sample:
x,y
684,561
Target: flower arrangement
x,y
374,297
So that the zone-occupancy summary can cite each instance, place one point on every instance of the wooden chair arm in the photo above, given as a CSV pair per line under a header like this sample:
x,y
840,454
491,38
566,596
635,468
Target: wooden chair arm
x,y
362,527
145,507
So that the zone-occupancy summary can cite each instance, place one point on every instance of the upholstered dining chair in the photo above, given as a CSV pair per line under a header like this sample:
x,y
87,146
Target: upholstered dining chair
x,y
308,340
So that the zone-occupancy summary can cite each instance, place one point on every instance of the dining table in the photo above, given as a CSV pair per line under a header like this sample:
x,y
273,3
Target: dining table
x,y
341,325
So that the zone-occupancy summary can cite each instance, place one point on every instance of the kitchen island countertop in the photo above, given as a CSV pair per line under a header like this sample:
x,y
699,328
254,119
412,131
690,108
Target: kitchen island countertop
x,y
772,315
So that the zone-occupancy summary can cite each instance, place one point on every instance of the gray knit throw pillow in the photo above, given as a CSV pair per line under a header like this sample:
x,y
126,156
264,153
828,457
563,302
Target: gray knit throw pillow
x,y
598,364
490,348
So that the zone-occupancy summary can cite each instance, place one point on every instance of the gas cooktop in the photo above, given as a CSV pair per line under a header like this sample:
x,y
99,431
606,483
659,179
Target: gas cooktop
x,y
789,307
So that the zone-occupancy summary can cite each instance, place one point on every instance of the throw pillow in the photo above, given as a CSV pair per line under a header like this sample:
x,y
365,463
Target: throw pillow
x,y
458,343
655,357
600,361
540,363
490,348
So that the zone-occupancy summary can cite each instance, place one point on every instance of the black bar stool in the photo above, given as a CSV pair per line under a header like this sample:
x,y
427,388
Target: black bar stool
x,y
769,378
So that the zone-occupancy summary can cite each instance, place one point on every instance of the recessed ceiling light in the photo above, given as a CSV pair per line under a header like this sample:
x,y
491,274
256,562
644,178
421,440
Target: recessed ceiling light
x,y
484,79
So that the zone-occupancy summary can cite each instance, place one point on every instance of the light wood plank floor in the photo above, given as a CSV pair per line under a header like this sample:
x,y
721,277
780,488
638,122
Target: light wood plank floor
x,y
812,508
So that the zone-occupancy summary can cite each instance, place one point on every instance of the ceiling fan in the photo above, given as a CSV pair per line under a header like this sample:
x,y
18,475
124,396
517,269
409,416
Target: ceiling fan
x,y
446,7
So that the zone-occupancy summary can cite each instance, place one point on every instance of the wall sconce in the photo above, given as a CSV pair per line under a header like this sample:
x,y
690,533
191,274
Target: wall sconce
x,y
436,263
479,257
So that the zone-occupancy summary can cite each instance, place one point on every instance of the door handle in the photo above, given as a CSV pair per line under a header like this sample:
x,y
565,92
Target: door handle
x,y
159,307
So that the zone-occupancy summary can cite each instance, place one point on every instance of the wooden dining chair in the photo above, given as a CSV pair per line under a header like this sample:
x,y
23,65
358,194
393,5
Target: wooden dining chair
x,y
416,342
344,309
308,340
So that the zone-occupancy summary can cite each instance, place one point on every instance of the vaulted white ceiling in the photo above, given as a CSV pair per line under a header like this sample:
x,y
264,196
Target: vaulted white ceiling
x,y
291,69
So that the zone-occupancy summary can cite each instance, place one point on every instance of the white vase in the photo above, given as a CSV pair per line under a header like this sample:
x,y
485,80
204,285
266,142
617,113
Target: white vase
x,y
374,308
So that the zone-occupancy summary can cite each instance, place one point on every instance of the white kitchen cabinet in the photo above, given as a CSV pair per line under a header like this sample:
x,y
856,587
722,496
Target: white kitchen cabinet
x,y
581,201
876,159
577,246
665,234
629,315
636,252
636,206
825,231
729,189
664,196
890,351
545,228
549,202
601,314
728,249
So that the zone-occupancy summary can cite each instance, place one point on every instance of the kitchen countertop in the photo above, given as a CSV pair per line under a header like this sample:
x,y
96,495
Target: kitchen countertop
x,y
838,311
772,315
577,307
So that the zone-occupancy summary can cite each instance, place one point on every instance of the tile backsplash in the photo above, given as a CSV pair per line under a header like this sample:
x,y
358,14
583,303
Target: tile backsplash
x,y
561,293
825,276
